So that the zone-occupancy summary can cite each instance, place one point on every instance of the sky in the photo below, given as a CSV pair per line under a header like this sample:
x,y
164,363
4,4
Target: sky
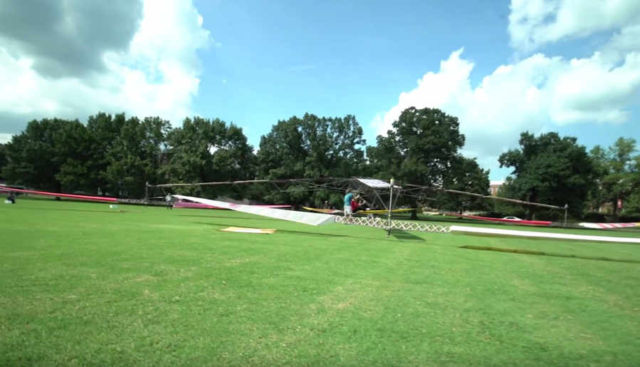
x,y
501,67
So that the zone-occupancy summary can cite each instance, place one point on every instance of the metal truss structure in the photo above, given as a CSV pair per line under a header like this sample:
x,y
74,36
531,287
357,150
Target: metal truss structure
x,y
399,225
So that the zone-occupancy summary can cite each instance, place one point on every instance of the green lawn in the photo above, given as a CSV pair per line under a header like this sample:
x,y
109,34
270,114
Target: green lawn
x,y
83,284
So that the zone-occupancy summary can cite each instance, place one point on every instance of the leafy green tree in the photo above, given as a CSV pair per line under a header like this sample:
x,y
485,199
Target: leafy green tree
x,y
134,156
465,175
50,154
205,150
632,204
550,169
125,153
384,158
282,152
3,158
73,155
599,159
310,147
619,175
421,149
104,131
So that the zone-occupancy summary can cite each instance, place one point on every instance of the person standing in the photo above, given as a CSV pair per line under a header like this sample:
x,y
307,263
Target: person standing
x,y
355,204
169,203
347,204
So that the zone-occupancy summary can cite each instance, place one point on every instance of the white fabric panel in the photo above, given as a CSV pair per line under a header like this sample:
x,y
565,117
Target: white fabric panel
x,y
374,183
313,219
561,236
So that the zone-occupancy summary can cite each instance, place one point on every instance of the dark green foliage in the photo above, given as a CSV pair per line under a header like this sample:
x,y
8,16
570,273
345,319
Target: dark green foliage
x,y
282,153
465,175
385,158
104,130
619,177
50,154
204,150
3,158
117,155
311,147
422,149
550,169
134,156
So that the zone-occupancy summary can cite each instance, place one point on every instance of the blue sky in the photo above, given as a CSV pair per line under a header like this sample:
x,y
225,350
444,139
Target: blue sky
x,y
501,67
278,59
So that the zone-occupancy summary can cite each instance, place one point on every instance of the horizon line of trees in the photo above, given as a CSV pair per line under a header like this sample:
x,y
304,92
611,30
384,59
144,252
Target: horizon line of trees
x,y
118,155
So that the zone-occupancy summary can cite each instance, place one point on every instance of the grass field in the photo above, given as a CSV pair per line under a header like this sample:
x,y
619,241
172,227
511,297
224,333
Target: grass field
x,y
83,284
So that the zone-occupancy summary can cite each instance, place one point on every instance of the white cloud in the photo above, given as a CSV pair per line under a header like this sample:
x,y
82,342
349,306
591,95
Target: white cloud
x,y
623,42
157,75
534,94
5,138
533,23
537,93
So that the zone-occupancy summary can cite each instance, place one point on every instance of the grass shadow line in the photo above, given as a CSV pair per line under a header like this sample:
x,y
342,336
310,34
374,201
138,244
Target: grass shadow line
x,y
404,235
542,253
382,237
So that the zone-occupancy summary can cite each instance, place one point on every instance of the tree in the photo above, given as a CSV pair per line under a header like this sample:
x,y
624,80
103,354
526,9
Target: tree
x,y
134,156
619,175
550,169
104,130
73,155
384,158
205,150
50,154
465,175
422,149
310,147
632,204
3,158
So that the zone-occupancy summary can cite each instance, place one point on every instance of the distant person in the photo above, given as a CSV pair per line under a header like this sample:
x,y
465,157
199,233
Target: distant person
x,y
168,200
347,204
11,198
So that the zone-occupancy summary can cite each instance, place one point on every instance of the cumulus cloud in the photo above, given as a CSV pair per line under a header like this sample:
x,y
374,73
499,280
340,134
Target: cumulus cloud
x,y
540,92
623,42
534,94
5,138
533,23
74,58
68,38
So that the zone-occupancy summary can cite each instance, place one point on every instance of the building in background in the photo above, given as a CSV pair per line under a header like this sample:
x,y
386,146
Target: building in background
x,y
494,187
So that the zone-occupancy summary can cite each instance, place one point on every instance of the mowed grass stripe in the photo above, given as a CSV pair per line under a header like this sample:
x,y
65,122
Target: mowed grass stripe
x,y
88,285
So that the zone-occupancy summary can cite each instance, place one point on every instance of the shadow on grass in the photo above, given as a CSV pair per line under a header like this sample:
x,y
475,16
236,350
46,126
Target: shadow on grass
x,y
382,237
319,234
542,253
405,236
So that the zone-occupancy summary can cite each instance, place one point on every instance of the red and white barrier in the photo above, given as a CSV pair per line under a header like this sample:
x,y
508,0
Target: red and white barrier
x,y
609,225
503,220
57,194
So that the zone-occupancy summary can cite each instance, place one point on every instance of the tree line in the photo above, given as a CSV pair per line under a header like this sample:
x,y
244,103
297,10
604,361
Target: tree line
x,y
117,155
